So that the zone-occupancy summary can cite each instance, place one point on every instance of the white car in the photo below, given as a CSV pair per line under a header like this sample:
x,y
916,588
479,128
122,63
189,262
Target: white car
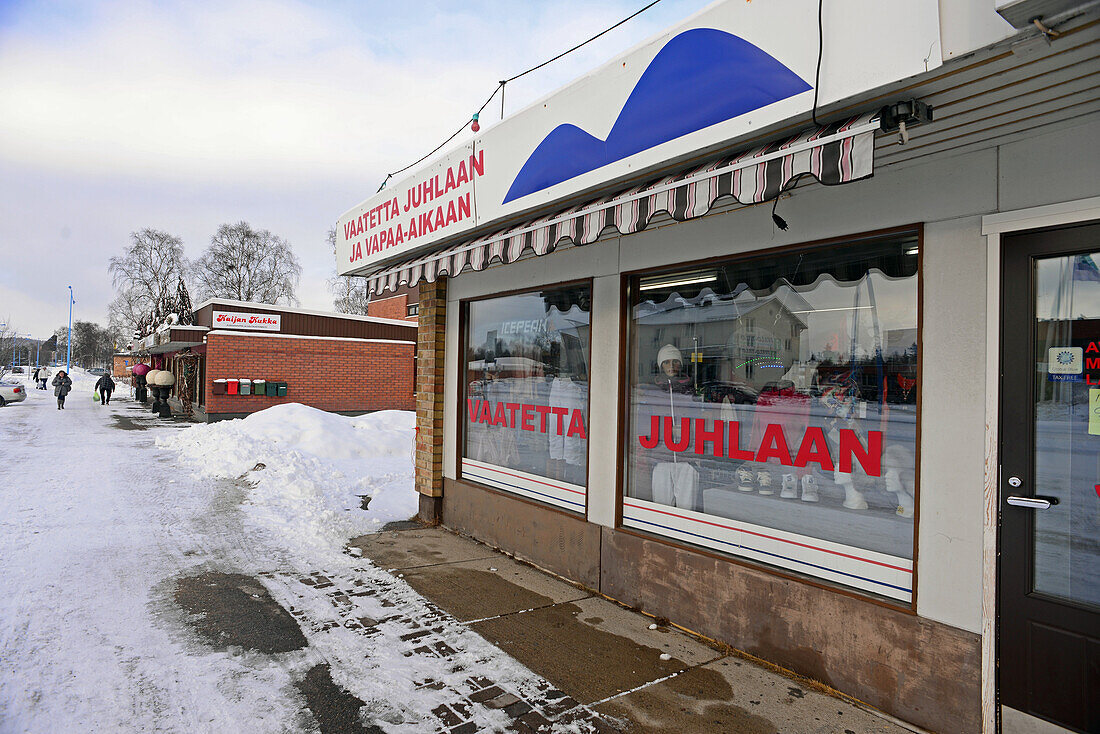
x,y
12,392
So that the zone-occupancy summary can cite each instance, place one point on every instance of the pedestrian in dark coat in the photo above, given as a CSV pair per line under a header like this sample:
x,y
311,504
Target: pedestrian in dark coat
x,y
62,384
105,386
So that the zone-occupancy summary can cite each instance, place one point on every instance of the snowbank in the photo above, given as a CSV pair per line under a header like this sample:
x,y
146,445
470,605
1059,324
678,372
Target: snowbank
x,y
309,472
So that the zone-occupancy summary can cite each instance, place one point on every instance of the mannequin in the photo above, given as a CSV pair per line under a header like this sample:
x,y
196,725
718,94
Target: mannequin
x,y
675,484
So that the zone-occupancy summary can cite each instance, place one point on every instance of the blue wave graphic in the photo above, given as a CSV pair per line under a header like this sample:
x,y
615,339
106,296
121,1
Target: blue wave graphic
x,y
701,77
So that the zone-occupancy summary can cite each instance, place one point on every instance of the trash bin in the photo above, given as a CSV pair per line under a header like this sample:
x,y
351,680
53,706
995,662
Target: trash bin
x,y
231,386
259,387
272,388
219,387
281,389
246,387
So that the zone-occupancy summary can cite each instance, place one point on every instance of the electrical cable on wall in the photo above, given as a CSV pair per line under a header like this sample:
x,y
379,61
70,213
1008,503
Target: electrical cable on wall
x,y
475,125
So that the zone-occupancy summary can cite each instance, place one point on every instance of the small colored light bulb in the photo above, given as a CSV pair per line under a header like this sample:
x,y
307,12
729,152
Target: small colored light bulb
x,y
474,124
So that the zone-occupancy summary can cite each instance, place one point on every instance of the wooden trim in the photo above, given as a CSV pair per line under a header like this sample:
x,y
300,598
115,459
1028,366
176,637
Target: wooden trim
x,y
920,401
624,394
771,570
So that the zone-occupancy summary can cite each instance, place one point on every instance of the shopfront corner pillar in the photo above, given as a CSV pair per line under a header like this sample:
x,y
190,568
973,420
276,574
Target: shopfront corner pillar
x,y
431,341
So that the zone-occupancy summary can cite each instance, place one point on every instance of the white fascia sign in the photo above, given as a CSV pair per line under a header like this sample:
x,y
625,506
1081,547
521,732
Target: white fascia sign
x,y
727,74
243,320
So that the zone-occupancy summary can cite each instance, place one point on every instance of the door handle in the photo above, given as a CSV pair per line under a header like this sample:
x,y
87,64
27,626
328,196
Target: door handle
x,y
1032,503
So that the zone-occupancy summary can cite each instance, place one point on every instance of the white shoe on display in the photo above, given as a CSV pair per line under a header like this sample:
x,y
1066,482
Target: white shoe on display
x,y
809,488
764,481
744,479
790,487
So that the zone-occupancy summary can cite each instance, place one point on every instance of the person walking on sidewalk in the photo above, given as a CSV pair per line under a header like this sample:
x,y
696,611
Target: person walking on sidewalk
x,y
105,386
43,375
62,384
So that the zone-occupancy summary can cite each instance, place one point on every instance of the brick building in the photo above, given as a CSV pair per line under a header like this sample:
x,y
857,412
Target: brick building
x,y
225,362
403,304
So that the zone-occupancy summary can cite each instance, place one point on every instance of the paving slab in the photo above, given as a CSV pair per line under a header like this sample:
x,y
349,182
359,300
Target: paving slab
x,y
734,695
403,549
593,648
479,589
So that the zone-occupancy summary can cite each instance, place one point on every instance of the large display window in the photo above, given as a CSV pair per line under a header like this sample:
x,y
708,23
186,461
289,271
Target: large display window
x,y
526,394
773,409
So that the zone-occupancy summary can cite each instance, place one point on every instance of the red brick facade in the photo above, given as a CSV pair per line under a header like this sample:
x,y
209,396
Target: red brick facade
x,y
122,363
330,374
395,306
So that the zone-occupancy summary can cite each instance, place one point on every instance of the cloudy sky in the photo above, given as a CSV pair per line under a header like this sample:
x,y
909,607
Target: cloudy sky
x,y
181,116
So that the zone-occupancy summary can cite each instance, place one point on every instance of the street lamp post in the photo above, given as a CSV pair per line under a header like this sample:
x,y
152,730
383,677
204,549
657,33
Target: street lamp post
x,y
69,341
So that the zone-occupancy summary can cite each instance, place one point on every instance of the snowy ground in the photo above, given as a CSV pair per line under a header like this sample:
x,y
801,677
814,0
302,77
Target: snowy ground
x,y
106,512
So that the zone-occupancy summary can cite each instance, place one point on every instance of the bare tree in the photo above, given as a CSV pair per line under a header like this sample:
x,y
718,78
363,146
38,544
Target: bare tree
x,y
146,277
7,343
350,294
248,265
92,344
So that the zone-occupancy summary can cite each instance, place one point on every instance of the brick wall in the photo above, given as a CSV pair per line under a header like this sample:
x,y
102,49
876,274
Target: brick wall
x,y
329,374
394,307
431,344
119,368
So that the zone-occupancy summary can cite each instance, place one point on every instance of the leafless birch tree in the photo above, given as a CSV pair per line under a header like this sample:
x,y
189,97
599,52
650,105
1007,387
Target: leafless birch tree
x,y
146,277
246,264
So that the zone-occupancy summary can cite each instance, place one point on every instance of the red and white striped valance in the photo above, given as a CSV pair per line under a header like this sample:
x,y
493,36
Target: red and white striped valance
x,y
834,154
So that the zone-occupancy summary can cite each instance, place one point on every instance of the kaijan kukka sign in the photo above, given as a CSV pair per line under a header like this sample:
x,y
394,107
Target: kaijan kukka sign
x,y
242,320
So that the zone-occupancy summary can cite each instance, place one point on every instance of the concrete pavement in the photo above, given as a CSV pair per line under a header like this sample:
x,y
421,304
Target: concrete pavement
x,y
638,674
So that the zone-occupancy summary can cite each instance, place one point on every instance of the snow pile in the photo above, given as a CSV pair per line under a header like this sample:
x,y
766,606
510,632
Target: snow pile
x,y
310,472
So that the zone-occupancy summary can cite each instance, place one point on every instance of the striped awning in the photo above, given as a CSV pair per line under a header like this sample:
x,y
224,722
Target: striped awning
x,y
834,154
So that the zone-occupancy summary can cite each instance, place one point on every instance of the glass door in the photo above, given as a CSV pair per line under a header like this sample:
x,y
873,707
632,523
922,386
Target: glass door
x,y
1049,573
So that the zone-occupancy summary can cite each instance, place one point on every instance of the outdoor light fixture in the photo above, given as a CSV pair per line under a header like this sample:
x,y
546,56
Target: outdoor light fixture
x,y
703,276
900,116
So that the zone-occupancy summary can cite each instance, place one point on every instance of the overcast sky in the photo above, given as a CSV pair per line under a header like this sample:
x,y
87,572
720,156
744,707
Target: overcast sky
x,y
181,116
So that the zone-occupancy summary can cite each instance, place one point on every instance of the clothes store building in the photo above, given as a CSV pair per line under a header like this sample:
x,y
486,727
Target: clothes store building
x,y
860,446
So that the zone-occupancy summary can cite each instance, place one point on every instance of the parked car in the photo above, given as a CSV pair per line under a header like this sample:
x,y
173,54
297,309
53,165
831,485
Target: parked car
x,y
17,370
12,392
100,371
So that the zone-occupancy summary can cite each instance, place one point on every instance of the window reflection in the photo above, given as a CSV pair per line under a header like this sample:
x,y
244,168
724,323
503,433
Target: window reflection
x,y
527,392
782,391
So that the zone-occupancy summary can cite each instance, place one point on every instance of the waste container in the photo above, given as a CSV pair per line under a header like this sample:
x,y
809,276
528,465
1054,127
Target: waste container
x,y
231,386
219,387
246,387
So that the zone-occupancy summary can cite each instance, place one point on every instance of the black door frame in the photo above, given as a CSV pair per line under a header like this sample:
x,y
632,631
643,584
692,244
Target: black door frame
x,y
1015,603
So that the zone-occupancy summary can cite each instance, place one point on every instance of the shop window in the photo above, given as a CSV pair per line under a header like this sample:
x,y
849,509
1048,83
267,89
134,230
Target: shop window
x,y
413,309
526,394
776,417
